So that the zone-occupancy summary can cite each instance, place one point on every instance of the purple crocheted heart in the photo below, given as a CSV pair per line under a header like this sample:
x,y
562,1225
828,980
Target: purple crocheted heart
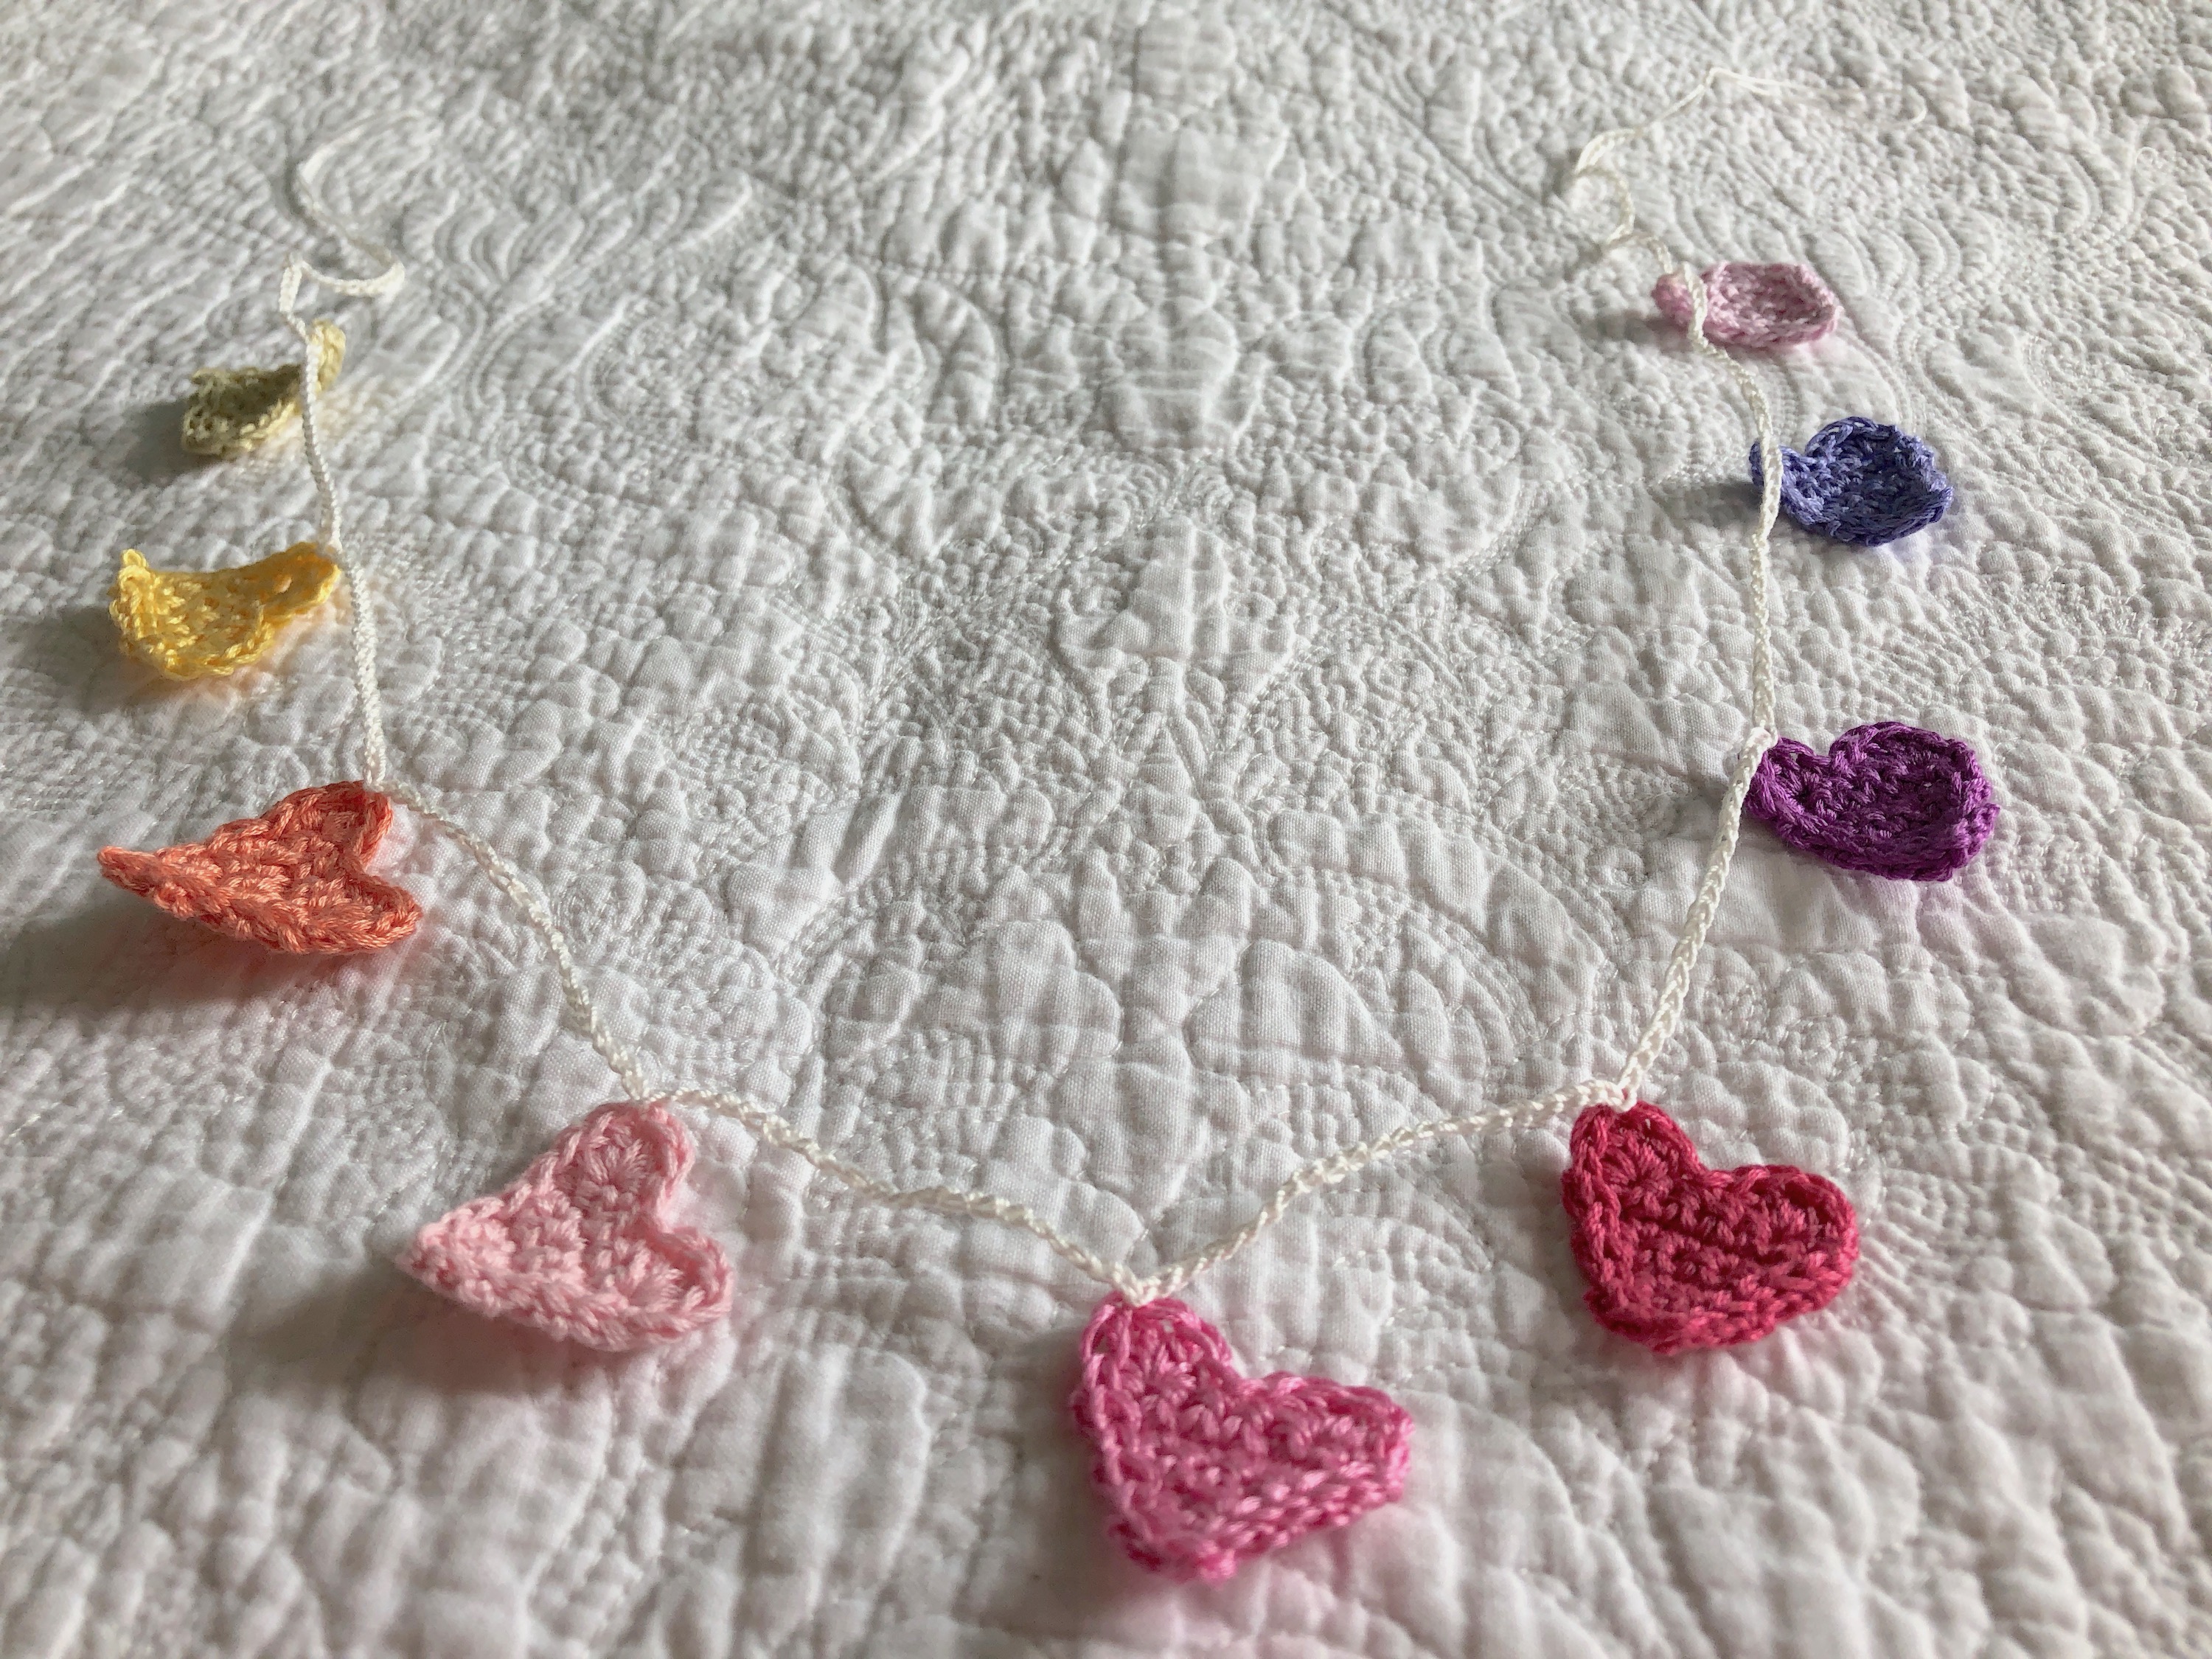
x,y
1748,304
1888,799
1860,481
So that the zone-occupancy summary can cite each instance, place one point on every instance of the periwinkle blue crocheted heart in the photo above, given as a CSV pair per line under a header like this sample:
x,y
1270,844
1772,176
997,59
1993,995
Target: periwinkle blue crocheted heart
x,y
1888,799
1860,481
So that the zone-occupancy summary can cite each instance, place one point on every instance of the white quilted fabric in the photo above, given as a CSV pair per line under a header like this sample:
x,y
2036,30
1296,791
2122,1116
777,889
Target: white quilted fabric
x,y
1096,601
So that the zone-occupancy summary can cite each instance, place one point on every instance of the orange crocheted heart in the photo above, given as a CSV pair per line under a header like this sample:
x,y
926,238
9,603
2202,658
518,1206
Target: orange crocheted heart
x,y
293,879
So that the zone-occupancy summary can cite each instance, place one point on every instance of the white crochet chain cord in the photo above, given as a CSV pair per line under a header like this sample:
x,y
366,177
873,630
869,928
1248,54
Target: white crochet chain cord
x,y
1319,1173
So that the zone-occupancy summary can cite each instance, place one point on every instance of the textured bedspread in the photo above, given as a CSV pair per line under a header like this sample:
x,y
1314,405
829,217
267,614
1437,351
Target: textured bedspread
x,y
1095,602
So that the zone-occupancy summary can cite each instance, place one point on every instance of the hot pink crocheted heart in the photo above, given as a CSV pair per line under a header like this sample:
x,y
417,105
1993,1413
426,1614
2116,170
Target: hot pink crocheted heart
x,y
1681,1256
1204,1470
581,1246
1755,306
296,878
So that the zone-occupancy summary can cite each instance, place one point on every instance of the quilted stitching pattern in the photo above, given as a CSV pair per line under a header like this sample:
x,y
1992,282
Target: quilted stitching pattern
x,y
1104,601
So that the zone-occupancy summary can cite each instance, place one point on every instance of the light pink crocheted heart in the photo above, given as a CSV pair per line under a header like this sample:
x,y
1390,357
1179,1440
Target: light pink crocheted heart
x,y
1204,1470
581,1246
1681,1256
1756,306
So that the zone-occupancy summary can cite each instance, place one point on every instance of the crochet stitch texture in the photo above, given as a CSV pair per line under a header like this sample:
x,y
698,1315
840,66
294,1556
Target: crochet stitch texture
x,y
233,411
1679,1256
1888,799
1753,304
1860,481
296,878
191,623
1204,1469
581,1246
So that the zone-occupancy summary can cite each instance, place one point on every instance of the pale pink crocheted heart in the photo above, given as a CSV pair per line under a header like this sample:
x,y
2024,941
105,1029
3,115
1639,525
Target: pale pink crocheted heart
x,y
581,1246
1681,1256
1756,306
1204,1470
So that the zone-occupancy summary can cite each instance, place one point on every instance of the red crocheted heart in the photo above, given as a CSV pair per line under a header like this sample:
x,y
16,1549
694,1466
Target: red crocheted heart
x,y
580,1247
1681,1256
293,879
1202,1469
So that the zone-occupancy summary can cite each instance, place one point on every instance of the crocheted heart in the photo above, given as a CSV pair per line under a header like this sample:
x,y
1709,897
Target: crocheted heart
x,y
233,411
1860,481
188,623
293,879
1202,1469
580,1247
1757,305
1888,798
1681,1256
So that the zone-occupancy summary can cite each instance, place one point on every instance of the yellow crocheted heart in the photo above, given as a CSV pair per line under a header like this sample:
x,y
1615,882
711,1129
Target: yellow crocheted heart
x,y
188,623
234,409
